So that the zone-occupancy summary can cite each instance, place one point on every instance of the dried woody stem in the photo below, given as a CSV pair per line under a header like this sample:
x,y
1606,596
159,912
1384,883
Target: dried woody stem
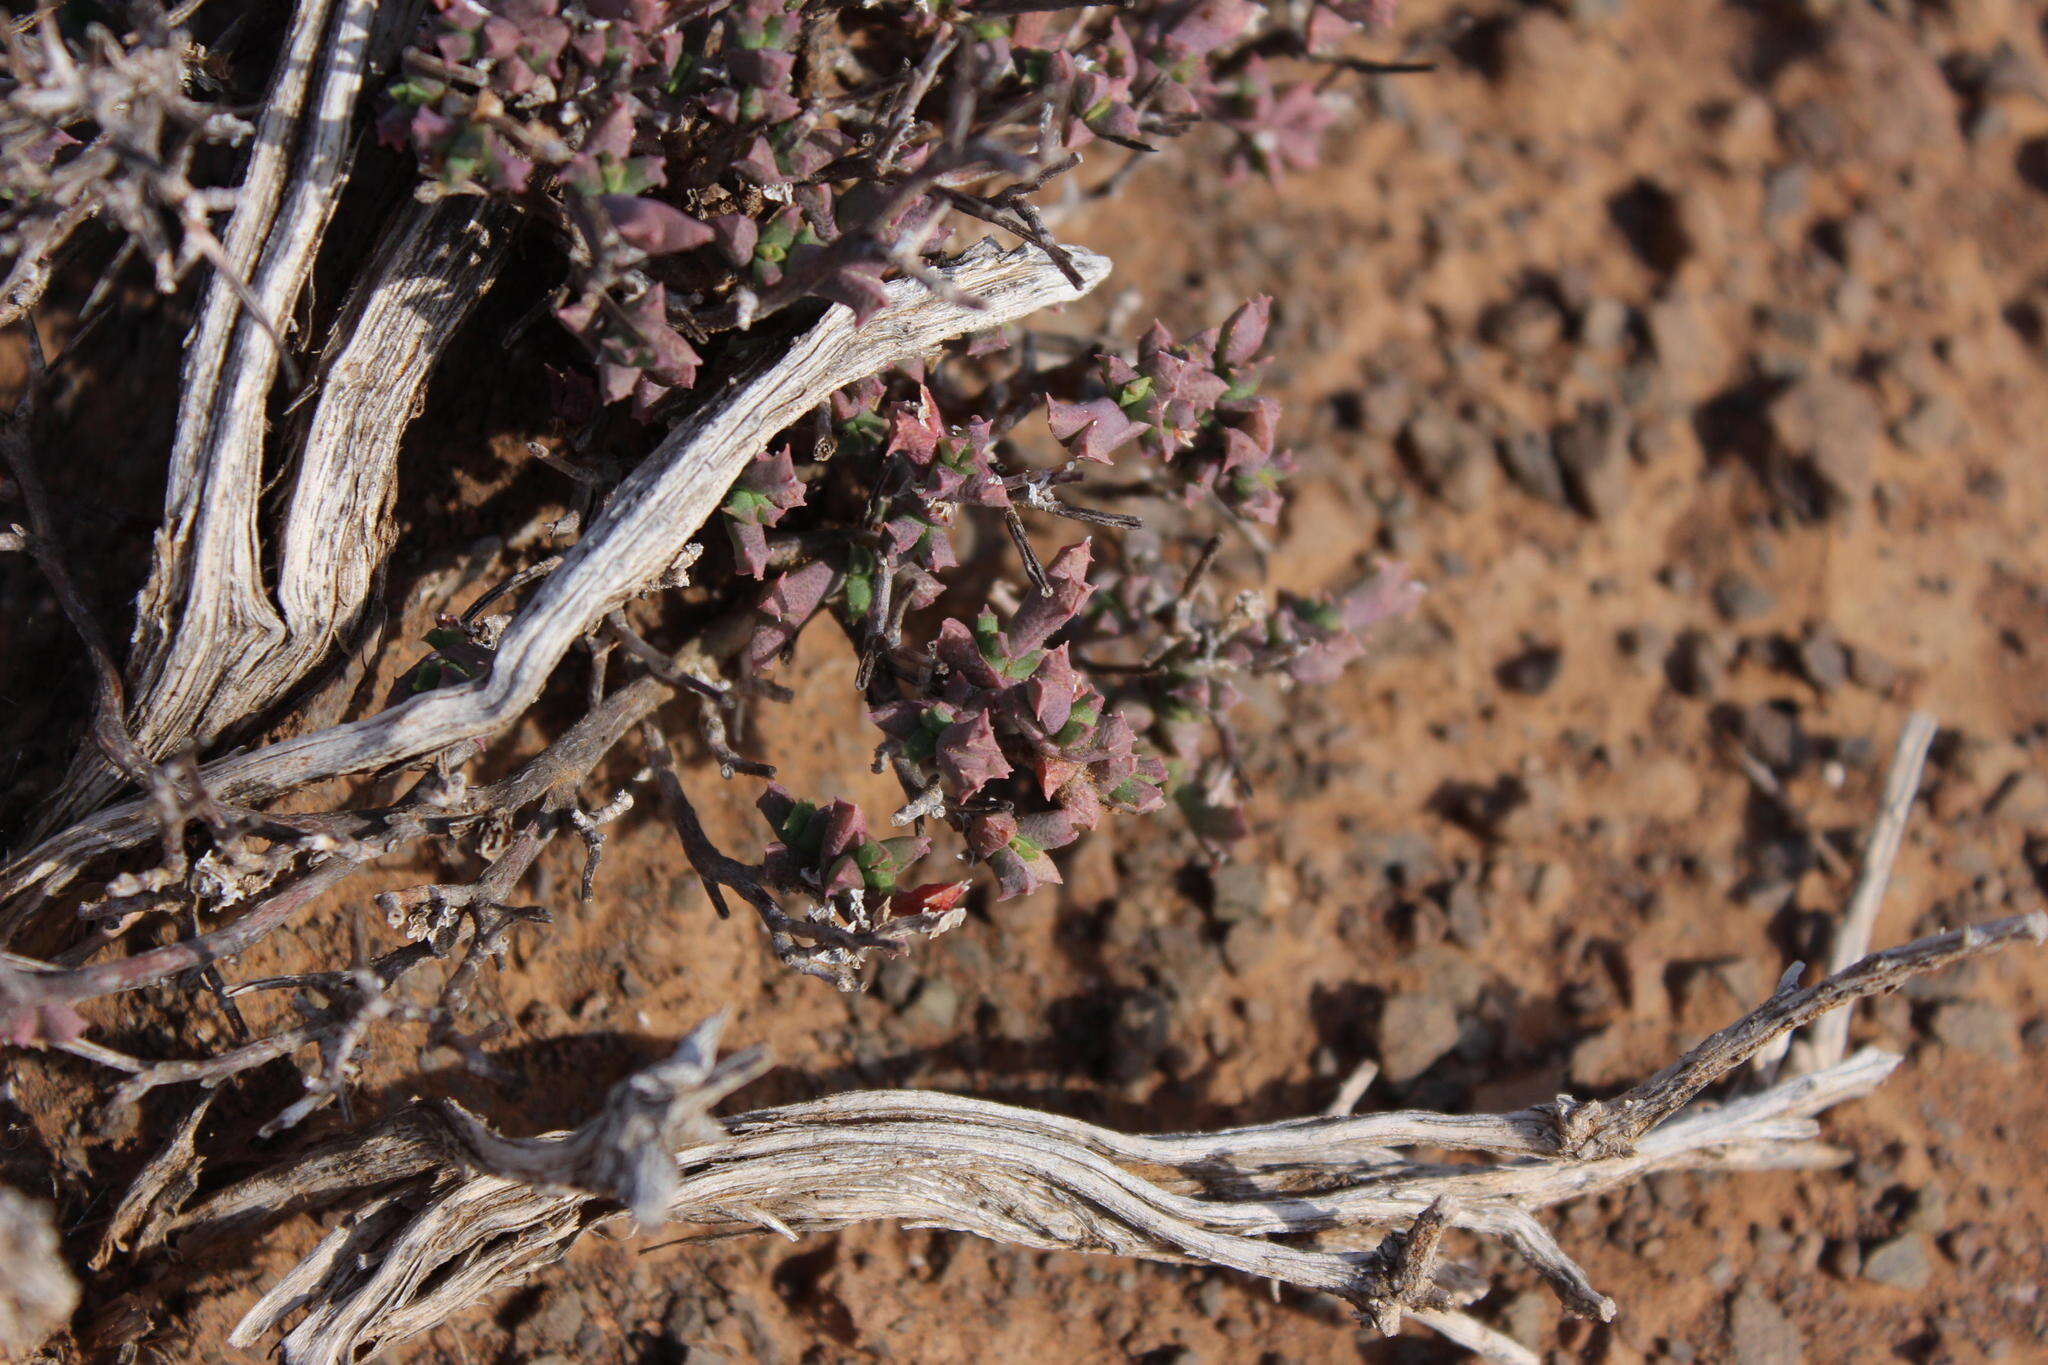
x,y
204,609
631,546
461,1212
1830,1040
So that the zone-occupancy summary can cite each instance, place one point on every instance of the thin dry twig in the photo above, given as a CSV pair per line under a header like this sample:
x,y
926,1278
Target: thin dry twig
x,y
1829,1042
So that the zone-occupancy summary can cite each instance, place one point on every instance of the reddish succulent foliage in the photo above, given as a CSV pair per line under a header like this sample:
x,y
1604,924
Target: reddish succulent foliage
x,y
710,163
1193,405
1011,725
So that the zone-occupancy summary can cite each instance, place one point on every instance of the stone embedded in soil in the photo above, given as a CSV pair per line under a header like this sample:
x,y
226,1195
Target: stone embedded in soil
x,y
1593,12
1615,1055
1823,658
1139,1033
1492,810
1449,456
2021,798
1844,1258
1698,664
1772,732
937,1004
1415,1029
1822,429
1759,1333
1592,454
1526,326
1529,1316
896,980
1603,324
1403,857
1738,597
1905,1262
1929,1212
1452,974
1979,1027
1691,353
1527,456
1642,644
1935,426
1248,943
1871,671
1237,891
1532,671
1465,911
1787,193
560,1317
1385,406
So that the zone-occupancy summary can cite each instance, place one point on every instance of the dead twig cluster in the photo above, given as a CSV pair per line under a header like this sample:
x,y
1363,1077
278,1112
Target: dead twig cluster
x,y
1359,1207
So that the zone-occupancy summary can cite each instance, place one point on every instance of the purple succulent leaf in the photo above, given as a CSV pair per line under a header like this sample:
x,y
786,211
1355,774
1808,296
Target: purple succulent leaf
x,y
1048,828
1041,614
1244,332
1090,430
1392,595
915,430
613,135
988,832
1052,690
845,829
737,235
759,164
654,227
788,604
1209,25
1021,870
859,286
969,756
761,68
959,650
749,547
27,1024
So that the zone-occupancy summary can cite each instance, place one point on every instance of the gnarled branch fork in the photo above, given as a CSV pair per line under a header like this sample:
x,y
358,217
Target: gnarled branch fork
x,y
643,530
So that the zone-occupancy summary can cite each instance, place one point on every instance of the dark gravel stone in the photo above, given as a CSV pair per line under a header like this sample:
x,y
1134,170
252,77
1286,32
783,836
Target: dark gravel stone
x,y
1774,735
1697,664
1978,1027
1415,1029
1529,460
1759,1333
1237,891
1738,597
1823,658
1871,671
1604,324
1526,327
1902,1263
1532,671
1449,456
1592,454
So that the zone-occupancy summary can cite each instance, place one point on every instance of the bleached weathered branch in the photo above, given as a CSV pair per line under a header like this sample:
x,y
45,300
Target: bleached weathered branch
x,y
1830,1038
478,1222
429,274
644,529
204,609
